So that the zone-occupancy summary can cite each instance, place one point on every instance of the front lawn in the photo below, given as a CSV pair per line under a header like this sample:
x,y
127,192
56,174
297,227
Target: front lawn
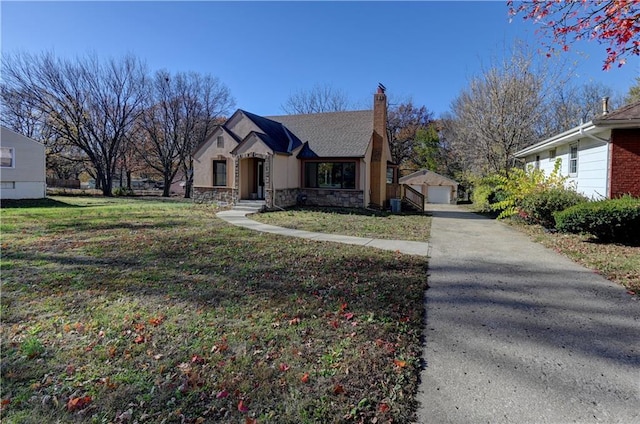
x,y
352,222
124,310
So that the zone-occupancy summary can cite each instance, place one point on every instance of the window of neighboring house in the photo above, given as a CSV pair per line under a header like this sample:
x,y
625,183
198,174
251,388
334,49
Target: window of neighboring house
x,y
338,175
220,173
573,159
7,159
7,185
537,163
552,154
220,141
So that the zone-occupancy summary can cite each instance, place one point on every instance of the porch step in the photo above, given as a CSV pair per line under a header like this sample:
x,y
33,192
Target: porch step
x,y
251,206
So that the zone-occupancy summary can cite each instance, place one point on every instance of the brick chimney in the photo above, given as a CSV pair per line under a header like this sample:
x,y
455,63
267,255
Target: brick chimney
x,y
378,174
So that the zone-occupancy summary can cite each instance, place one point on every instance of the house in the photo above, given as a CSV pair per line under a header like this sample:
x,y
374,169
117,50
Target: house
x,y
326,159
22,167
434,187
601,157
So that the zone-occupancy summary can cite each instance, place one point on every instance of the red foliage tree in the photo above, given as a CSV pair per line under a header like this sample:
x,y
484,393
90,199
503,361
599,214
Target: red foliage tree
x,y
612,22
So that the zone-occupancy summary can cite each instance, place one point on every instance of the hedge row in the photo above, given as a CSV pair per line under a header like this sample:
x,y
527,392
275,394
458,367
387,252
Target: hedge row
x,y
608,220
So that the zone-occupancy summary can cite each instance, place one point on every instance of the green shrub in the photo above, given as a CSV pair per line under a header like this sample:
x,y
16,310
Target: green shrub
x,y
485,193
122,191
539,206
521,183
608,220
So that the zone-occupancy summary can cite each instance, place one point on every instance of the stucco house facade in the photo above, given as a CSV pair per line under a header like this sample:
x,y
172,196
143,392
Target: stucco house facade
x,y
601,157
326,159
22,166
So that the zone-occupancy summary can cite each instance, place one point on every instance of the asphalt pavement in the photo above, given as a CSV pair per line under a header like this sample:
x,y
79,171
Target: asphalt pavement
x,y
517,333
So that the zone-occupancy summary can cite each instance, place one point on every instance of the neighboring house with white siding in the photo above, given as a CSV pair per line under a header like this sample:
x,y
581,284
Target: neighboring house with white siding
x,y
601,157
22,167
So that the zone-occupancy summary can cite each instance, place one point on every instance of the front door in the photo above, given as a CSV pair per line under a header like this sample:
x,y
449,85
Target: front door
x,y
260,178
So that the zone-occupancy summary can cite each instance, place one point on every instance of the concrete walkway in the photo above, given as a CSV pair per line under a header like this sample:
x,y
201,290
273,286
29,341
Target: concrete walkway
x,y
516,333
239,218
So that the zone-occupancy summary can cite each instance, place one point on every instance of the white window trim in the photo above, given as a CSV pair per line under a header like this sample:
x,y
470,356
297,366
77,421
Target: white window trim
x,y
13,158
574,174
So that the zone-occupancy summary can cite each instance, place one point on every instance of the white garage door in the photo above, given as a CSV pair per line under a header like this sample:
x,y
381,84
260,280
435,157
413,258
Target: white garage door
x,y
438,194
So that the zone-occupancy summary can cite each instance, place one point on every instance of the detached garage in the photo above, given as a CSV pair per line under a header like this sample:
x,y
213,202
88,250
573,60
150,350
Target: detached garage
x,y
436,188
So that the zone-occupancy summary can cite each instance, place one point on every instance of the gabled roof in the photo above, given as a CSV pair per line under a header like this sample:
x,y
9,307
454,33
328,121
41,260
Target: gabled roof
x,y
625,117
17,136
332,134
215,130
426,176
275,134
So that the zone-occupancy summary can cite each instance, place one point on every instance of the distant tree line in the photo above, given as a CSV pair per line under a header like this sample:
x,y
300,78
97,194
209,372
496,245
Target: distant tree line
x,y
107,117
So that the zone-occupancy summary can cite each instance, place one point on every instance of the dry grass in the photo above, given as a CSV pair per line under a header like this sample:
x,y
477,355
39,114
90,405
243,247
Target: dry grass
x,y
122,310
352,222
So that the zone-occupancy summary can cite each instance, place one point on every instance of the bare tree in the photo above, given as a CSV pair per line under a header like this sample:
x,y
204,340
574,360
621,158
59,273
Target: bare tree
x,y
500,112
573,105
633,95
404,121
320,98
89,104
180,113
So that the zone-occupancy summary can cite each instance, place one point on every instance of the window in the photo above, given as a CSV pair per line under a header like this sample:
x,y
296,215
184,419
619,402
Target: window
x,y
573,159
6,157
338,175
220,141
552,154
537,164
220,173
7,185
390,175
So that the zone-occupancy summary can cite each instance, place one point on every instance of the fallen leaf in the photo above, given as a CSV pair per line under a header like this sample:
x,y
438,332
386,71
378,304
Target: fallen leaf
x,y
156,321
383,407
139,339
76,403
305,377
334,323
250,421
197,359
242,407
338,389
348,315
284,367
294,321
222,394
400,363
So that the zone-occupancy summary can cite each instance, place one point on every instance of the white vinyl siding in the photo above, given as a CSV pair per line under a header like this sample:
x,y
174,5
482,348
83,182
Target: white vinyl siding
x,y
591,166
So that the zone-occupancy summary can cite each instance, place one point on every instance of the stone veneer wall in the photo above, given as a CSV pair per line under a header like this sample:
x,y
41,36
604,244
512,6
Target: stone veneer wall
x,y
284,198
341,198
215,194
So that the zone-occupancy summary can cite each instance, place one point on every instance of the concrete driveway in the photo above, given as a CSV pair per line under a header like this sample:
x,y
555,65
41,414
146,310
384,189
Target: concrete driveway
x,y
516,333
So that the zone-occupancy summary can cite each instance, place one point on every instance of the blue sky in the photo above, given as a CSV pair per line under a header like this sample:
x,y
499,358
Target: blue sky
x,y
264,51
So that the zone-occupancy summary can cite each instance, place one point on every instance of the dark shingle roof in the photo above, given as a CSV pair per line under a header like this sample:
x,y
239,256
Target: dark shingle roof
x,y
626,114
276,136
332,134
